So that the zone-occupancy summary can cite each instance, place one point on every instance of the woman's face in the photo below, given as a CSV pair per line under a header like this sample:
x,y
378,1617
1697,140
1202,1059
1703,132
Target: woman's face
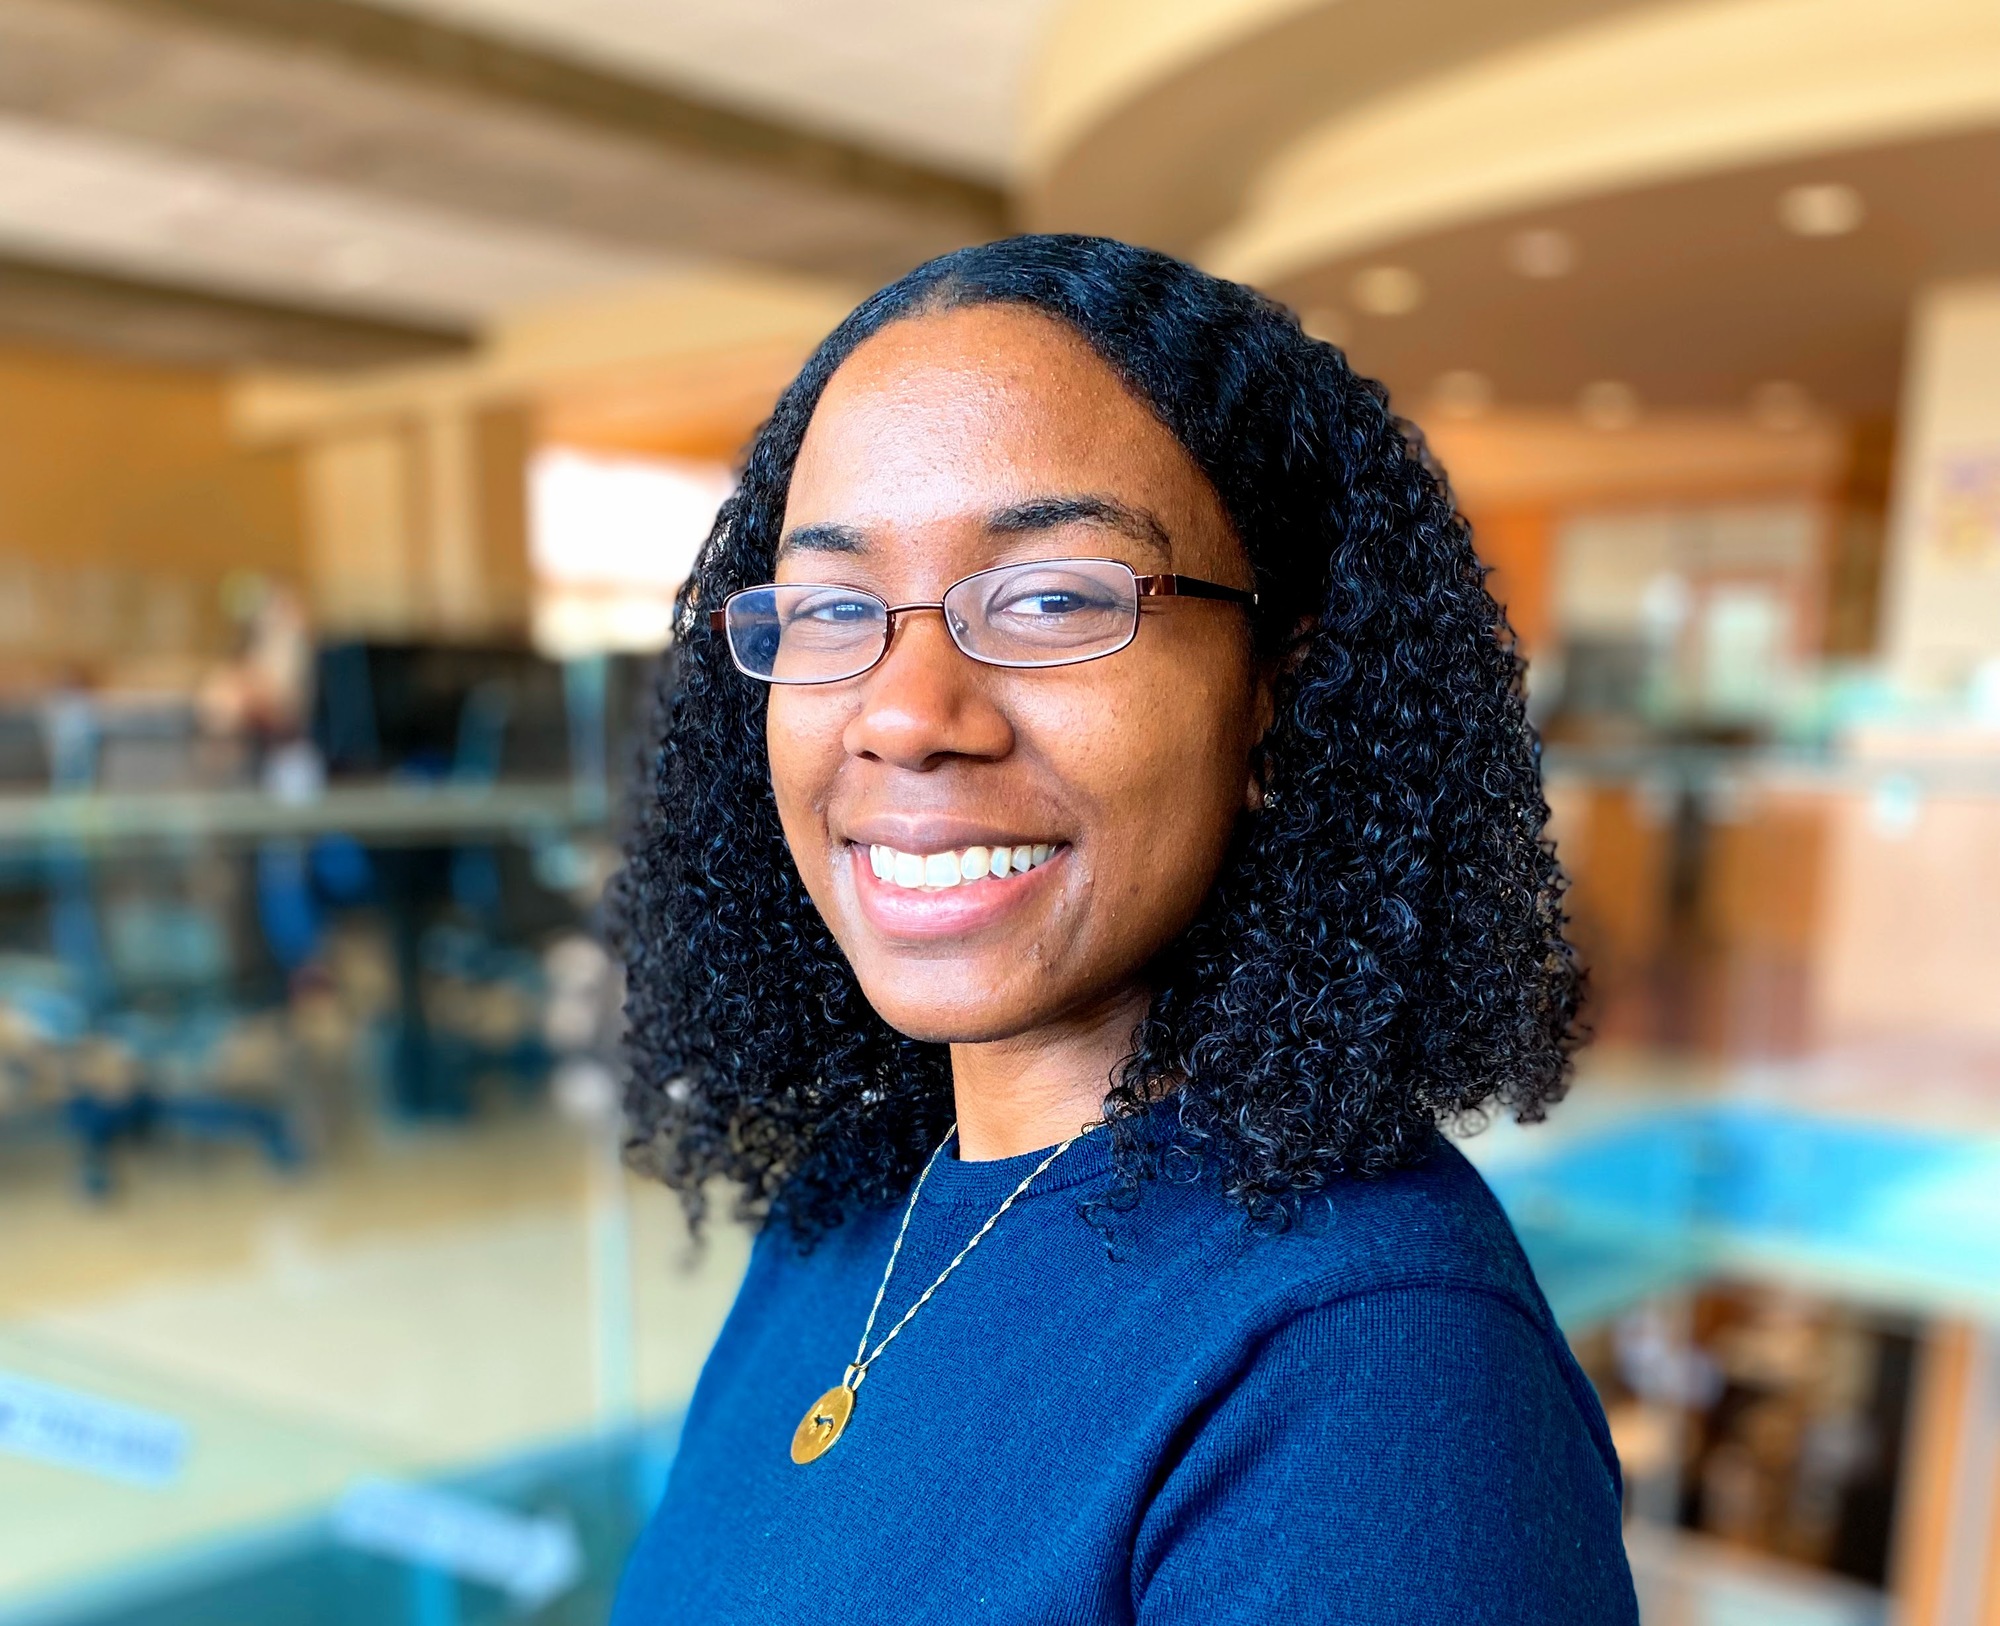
x,y
944,445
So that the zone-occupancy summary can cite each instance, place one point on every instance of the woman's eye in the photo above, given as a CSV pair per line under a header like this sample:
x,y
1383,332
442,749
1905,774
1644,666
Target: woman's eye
x,y
1050,601
834,610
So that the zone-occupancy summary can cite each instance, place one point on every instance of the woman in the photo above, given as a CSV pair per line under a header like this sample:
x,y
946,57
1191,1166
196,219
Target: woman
x,y
1096,842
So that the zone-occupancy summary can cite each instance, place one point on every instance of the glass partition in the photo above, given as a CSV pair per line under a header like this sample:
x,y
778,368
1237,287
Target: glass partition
x,y
324,1295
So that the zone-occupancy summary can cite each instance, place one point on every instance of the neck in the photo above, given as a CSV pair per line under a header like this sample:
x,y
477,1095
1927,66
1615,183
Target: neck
x,y
1038,1088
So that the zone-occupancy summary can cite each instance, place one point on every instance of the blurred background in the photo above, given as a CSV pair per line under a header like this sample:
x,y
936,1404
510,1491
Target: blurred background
x,y
369,371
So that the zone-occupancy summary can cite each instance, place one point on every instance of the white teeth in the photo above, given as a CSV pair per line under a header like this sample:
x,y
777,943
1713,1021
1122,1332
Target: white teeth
x,y
945,869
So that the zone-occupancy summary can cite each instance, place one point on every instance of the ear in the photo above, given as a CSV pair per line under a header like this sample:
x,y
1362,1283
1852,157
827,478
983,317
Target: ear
x,y
1264,703
1263,713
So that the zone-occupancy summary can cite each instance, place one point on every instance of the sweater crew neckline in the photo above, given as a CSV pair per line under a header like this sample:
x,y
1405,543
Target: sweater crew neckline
x,y
990,1181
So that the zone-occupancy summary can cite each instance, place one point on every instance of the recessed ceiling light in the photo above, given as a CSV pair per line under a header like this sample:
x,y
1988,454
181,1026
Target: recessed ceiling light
x,y
1820,209
1328,323
1387,290
1781,406
1462,393
1542,252
1608,404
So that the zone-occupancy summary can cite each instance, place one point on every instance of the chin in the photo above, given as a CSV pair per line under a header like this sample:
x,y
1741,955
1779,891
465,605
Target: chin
x,y
948,1018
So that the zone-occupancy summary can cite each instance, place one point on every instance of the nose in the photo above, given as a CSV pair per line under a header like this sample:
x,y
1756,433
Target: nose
x,y
926,702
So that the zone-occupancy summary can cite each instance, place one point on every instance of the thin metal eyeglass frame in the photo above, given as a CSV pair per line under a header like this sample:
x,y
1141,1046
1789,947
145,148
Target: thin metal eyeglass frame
x,y
1167,585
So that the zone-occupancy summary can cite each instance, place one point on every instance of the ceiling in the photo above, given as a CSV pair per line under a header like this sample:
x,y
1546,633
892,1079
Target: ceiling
x,y
340,182
144,320
403,173
936,79
1168,158
1693,293
128,206
1376,162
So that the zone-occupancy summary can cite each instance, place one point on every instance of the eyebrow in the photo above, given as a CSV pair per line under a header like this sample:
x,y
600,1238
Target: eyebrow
x,y
823,539
1016,519
1052,513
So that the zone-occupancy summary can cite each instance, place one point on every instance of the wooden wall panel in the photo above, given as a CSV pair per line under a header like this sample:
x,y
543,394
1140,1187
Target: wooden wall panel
x,y
1518,542
124,504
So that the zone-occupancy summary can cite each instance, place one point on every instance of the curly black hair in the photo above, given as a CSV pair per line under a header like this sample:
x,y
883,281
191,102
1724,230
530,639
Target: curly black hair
x,y
1384,948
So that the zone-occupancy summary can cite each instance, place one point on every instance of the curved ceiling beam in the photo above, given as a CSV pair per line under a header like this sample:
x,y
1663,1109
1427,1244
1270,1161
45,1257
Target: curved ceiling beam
x,y
1666,92
1100,54
1149,119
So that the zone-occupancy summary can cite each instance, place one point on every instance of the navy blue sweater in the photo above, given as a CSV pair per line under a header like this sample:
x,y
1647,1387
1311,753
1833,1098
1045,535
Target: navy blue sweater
x,y
1371,1418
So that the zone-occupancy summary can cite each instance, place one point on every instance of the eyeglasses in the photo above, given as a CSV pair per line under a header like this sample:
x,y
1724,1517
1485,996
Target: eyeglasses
x,y
1051,612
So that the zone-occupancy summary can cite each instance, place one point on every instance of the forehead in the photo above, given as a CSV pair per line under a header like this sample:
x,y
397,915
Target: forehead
x,y
940,415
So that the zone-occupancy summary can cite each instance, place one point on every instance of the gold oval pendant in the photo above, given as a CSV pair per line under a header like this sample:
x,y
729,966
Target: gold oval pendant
x,y
822,1423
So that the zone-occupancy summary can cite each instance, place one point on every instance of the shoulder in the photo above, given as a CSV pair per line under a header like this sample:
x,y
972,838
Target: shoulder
x,y
1421,1272
1417,1278
1433,1225
1400,1443
1396,1402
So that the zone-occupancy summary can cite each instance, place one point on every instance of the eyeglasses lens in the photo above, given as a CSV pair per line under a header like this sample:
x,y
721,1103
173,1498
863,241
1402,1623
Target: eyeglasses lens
x,y
806,634
1044,614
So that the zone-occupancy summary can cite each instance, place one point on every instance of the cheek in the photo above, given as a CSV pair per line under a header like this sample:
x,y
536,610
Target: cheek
x,y
802,738
1160,765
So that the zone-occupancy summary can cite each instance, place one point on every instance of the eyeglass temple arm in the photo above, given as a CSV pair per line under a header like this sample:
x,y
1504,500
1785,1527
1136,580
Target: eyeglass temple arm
x,y
1191,587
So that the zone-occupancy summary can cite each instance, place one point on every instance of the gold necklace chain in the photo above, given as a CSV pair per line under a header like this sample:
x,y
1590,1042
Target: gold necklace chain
x,y
827,1417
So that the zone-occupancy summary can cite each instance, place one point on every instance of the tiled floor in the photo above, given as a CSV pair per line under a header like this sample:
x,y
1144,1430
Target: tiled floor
x,y
414,1304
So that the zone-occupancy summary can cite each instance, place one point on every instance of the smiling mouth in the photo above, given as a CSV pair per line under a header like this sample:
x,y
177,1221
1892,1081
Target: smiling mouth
x,y
962,866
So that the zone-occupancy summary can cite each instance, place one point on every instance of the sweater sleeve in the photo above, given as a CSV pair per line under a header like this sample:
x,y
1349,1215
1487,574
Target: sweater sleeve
x,y
1409,1455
